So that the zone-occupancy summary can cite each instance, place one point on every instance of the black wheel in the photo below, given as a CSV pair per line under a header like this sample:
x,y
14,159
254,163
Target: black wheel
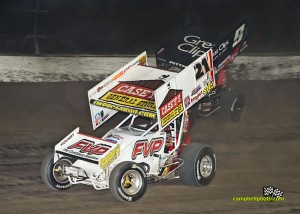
x,y
51,173
232,107
199,165
128,182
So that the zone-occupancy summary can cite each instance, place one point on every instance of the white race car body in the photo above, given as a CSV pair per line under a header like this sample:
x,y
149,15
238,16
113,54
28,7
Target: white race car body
x,y
95,157
152,148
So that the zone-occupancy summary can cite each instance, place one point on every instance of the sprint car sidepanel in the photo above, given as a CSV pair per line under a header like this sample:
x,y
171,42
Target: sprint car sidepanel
x,y
177,96
137,148
117,146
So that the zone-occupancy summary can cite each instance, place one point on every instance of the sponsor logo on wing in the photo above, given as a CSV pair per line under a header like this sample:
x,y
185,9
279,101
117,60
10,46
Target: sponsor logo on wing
x,y
100,117
177,64
221,49
194,46
89,147
132,90
68,138
195,90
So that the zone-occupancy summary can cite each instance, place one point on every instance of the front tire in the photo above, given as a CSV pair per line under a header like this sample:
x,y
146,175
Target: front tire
x,y
51,173
199,166
128,182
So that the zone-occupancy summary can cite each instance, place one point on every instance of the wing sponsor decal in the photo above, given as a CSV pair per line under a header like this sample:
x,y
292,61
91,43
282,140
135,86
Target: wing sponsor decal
x,y
204,65
208,88
87,149
133,97
141,61
133,90
129,101
196,90
171,107
201,93
67,139
124,109
194,45
221,49
239,34
187,101
100,117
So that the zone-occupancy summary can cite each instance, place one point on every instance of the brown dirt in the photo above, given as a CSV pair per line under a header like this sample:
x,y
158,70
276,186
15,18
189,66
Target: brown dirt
x,y
261,150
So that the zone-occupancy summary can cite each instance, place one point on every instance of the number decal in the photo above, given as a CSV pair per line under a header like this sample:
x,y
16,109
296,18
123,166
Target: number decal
x,y
238,35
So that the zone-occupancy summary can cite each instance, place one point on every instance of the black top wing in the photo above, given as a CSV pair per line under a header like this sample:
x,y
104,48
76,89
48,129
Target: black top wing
x,y
193,42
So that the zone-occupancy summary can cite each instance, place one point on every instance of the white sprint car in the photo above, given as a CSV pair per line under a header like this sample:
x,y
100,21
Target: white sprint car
x,y
151,144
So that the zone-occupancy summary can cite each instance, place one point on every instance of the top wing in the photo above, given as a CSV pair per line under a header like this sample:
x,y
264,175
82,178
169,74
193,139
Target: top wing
x,y
99,114
134,92
183,50
130,90
152,92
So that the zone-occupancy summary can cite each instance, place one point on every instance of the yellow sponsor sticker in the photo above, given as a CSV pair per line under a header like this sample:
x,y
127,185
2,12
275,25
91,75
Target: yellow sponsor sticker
x,y
208,88
129,101
171,115
110,157
142,60
123,109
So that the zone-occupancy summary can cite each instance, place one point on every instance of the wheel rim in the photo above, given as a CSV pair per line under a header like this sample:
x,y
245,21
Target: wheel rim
x,y
206,166
131,182
58,170
237,109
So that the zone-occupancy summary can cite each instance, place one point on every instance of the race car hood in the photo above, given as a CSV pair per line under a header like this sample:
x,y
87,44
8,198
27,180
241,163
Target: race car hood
x,y
100,151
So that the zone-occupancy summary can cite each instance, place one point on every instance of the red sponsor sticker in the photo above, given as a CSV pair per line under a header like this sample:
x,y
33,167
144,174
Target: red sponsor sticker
x,y
133,90
147,148
170,105
89,147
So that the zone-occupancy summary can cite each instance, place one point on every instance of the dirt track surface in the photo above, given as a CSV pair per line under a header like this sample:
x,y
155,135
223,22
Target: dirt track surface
x,y
261,150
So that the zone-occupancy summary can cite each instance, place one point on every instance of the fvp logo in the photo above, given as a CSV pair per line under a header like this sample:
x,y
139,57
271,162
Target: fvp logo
x,y
89,147
146,148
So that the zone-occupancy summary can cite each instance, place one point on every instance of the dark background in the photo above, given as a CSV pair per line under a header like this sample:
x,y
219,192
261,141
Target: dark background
x,y
118,27
259,151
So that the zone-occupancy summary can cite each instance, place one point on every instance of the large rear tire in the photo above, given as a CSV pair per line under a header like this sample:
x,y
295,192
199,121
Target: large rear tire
x,y
232,107
199,166
128,182
51,173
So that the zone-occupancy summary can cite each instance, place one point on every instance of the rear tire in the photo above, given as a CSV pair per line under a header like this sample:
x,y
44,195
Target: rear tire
x,y
192,112
199,166
128,182
50,173
232,107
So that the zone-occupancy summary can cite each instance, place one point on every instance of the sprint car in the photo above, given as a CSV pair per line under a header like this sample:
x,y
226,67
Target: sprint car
x,y
150,144
179,52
